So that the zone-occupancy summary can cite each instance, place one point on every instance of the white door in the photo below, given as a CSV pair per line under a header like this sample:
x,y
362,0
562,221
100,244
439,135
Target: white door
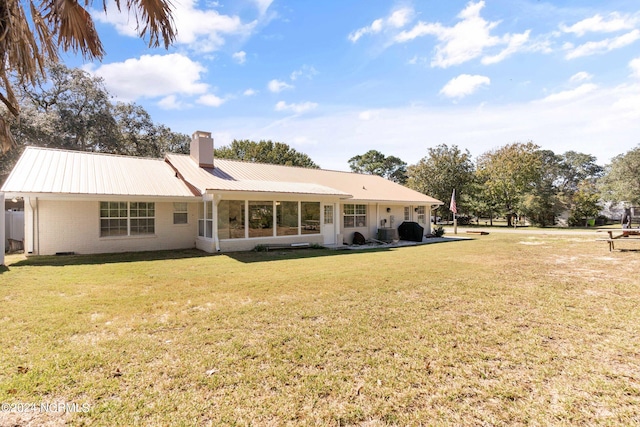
x,y
328,224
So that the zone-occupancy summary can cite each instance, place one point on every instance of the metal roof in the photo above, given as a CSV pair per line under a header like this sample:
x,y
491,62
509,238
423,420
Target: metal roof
x,y
62,172
231,175
52,171
220,179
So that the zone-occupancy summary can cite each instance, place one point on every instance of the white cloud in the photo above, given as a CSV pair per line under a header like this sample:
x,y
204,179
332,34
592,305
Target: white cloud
x,y
369,115
397,19
375,27
603,46
515,42
276,86
635,67
580,77
249,92
296,108
305,71
170,103
211,100
400,17
152,76
263,5
628,104
598,24
464,85
240,57
466,40
609,114
572,94
202,30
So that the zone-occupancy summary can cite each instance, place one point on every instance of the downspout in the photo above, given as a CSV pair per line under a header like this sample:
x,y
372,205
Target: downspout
x,y
216,240
2,236
38,224
35,225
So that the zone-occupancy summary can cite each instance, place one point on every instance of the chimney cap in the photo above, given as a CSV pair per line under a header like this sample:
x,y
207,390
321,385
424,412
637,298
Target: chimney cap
x,y
201,134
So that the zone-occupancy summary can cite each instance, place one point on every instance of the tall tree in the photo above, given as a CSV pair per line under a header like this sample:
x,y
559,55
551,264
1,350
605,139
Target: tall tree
x,y
575,168
442,170
586,203
276,153
31,34
541,203
509,173
69,109
374,162
621,182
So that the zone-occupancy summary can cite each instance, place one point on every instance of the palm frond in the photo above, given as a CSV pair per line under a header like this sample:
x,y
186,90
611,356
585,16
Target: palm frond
x,y
27,45
153,18
73,27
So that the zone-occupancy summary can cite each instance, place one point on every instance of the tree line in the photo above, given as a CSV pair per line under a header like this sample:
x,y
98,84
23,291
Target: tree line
x,y
70,109
517,179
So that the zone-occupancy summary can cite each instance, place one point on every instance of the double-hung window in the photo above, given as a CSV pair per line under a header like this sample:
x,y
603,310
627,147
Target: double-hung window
x,y
355,216
180,213
127,218
422,217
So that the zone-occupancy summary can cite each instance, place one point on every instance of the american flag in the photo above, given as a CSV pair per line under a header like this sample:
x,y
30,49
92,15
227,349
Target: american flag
x,y
452,207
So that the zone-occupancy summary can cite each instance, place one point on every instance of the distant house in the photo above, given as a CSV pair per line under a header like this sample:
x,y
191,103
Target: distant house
x,y
78,202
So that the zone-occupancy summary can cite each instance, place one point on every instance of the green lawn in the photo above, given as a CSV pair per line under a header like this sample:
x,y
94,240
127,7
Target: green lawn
x,y
505,329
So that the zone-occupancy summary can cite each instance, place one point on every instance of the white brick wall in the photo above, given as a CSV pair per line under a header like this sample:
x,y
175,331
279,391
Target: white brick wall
x,y
74,226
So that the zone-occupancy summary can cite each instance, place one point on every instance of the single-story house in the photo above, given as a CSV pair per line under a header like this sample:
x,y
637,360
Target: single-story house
x,y
79,202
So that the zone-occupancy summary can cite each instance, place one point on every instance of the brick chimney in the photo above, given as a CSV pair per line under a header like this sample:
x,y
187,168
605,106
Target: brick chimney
x,y
201,149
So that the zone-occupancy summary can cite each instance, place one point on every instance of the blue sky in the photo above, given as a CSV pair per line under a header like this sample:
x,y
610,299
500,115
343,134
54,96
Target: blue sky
x,y
334,79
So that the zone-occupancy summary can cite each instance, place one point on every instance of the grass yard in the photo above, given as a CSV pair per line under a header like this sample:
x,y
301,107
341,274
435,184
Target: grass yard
x,y
505,329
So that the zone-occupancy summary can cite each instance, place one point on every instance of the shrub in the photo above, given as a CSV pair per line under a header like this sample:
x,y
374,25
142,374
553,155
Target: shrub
x,y
437,231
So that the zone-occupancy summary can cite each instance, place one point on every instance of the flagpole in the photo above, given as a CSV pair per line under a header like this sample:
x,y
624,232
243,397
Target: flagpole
x,y
454,208
455,224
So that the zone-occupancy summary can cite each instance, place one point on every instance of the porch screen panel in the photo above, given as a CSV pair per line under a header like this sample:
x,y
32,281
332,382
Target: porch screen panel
x,y
260,219
201,219
231,219
287,218
310,217
208,223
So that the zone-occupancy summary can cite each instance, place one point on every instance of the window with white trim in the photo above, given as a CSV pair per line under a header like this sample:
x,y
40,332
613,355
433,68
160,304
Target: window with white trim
x,y
127,218
407,213
354,215
180,213
328,214
422,217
